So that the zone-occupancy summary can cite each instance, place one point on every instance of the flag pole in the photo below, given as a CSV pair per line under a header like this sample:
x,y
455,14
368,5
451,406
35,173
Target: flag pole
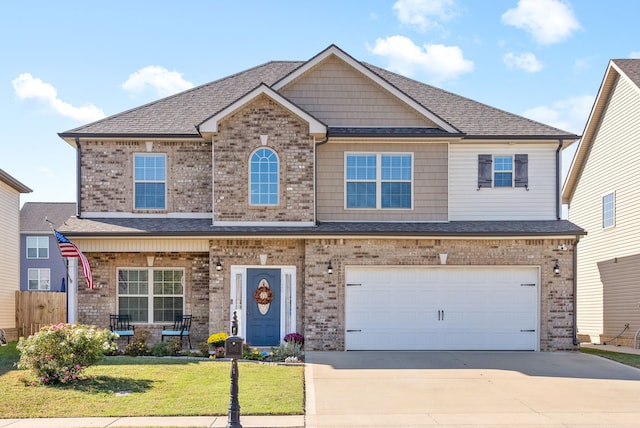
x,y
65,261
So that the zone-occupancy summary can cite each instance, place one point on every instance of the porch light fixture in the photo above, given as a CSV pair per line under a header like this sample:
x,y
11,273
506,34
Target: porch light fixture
x,y
556,267
330,268
218,265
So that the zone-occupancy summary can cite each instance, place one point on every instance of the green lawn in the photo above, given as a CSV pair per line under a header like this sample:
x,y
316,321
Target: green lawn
x,y
628,359
143,386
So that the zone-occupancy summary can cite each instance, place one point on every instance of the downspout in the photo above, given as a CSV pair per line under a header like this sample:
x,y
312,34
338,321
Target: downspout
x,y
558,176
315,177
576,342
78,178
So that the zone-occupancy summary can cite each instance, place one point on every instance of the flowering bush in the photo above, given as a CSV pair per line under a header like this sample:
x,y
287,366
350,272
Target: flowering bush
x,y
217,339
295,338
138,346
58,353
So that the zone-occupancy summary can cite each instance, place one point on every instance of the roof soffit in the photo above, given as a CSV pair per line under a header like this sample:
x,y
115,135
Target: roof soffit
x,y
367,73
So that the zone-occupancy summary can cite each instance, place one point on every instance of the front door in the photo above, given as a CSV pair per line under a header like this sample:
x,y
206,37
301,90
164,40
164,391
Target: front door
x,y
263,307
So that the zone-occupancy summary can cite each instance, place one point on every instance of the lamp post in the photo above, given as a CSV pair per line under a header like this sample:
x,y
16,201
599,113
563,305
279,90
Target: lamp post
x,y
233,350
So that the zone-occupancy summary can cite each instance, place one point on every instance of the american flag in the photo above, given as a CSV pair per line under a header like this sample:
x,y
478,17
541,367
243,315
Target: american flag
x,y
69,249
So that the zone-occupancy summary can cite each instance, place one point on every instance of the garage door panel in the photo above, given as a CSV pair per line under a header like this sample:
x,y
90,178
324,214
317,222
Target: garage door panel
x,y
478,308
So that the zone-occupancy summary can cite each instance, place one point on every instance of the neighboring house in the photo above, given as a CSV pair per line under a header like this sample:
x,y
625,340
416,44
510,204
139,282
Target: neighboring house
x,y
42,268
10,190
602,196
332,198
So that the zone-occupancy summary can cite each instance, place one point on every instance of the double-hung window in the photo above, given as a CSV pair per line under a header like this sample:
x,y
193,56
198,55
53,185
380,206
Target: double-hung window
x,y
609,210
264,177
150,181
39,279
37,247
379,180
151,295
503,171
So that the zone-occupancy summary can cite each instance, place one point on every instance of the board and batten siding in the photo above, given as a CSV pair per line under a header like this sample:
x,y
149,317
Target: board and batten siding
x,y
429,181
466,202
612,166
9,254
338,95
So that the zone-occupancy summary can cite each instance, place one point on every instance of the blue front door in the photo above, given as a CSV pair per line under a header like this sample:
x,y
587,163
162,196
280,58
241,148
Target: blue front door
x,y
263,307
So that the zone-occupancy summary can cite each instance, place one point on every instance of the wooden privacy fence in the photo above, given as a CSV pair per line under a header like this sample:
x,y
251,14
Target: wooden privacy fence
x,y
35,309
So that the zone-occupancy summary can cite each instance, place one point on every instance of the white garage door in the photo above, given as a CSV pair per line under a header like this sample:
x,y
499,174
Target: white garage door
x,y
441,308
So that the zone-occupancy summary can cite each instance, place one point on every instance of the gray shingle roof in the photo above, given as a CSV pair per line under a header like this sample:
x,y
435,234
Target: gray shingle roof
x,y
178,115
127,227
33,215
630,67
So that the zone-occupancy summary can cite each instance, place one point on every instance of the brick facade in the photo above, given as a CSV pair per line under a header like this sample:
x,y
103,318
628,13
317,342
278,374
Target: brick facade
x,y
107,175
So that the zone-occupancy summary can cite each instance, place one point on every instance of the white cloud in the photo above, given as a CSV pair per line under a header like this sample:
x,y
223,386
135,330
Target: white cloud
x,y
570,114
424,14
635,55
28,87
548,21
164,82
526,61
439,62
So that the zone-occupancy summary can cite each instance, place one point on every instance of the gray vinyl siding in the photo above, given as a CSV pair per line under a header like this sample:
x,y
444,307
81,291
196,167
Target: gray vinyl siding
x,y
429,182
338,95
466,202
612,166
621,295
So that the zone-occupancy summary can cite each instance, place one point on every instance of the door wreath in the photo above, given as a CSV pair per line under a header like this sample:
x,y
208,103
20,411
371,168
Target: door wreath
x,y
263,295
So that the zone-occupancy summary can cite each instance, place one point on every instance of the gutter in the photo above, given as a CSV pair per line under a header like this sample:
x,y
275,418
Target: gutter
x,y
558,176
78,178
315,177
576,342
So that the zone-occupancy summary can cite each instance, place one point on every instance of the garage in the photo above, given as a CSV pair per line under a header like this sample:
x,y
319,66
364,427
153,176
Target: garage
x,y
441,308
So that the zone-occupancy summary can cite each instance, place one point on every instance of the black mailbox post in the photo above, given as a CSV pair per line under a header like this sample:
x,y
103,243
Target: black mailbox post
x,y
233,350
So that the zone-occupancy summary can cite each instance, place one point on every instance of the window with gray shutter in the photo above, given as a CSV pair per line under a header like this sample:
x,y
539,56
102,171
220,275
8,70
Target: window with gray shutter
x,y
522,171
485,170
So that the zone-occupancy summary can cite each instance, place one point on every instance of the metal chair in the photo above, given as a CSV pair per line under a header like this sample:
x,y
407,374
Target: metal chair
x,y
119,324
181,328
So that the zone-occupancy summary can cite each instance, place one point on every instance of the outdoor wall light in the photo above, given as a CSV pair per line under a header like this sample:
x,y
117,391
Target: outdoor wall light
x,y
218,265
330,268
556,267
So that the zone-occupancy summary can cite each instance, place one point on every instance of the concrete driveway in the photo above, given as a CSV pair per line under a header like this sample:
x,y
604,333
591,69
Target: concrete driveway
x,y
469,389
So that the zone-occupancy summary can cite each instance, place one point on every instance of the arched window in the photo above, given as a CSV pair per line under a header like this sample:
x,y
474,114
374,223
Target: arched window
x,y
264,177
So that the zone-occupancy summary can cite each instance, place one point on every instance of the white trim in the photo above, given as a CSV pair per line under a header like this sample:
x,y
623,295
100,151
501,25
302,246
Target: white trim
x,y
334,50
97,214
165,181
287,320
264,223
250,173
211,125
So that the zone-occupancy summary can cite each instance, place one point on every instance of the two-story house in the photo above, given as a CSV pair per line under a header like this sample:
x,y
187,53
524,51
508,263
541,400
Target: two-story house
x,y
600,190
42,267
10,190
332,198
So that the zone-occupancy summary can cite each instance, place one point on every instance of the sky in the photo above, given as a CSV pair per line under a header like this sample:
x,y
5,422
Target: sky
x,y
67,63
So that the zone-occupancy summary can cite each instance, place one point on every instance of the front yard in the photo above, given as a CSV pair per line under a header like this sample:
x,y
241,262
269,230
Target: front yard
x,y
148,386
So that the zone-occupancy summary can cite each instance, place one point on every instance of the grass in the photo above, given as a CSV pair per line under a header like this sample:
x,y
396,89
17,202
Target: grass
x,y
143,386
632,360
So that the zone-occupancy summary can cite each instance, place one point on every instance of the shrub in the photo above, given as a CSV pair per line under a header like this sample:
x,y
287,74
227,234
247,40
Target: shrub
x,y
138,346
164,349
217,339
287,351
249,353
58,353
294,337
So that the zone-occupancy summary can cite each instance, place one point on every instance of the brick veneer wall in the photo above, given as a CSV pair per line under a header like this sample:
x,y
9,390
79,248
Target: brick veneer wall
x,y
325,294
94,306
238,137
107,175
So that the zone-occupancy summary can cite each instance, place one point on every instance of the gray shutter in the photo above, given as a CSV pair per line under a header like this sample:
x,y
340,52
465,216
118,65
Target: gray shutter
x,y
485,170
522,171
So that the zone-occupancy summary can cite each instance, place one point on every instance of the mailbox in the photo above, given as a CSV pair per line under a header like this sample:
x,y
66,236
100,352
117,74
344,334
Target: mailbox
x,y
233,347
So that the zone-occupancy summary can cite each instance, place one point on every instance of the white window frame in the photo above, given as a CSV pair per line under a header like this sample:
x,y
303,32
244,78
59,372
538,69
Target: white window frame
x,y
164,155
44,284
378,180
42,242
612,212
150,295
278,164
511,171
